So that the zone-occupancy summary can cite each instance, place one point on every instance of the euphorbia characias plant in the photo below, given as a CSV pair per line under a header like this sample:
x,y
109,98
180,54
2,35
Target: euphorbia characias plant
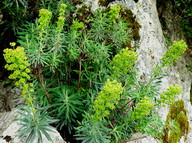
x,y
82,72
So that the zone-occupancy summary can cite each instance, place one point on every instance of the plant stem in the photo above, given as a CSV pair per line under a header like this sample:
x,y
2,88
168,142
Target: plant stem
x,y
79,78
42,84
131,106
69,76
32,107
124,105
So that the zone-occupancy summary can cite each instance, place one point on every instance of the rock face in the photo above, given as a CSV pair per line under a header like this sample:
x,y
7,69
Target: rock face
x,y
9,97
9,133
152,46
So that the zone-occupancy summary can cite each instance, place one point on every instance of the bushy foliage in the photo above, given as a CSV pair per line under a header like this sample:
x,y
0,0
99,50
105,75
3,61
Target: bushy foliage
x,y
67,106
137,104
34,128
83,77
92,131
15,14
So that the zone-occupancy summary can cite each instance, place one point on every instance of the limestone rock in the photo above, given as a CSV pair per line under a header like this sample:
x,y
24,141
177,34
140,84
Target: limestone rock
x,y
152,46
140,138
9,130
93,3
9,97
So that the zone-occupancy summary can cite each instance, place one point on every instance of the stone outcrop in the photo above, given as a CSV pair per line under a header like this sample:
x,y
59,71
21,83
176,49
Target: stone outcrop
x,y
9,97
9,130
151,48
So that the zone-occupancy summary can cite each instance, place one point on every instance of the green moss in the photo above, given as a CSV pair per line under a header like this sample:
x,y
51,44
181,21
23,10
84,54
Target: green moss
x,y
129,17
105,2
76,2
83,14
177,113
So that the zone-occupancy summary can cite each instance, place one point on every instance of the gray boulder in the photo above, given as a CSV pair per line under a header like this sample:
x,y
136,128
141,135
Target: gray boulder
x,y
9,130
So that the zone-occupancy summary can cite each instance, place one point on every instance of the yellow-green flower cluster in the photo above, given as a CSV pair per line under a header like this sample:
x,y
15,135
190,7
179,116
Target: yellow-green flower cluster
x,y
60,23
61,19
16,62
168,96
77,25
143,108
44,20
62,8
26,91
12,44
107,99
114,11
123,62
174,53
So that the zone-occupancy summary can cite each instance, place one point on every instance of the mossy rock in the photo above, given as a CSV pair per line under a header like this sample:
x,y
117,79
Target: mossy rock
x,y
105,2
130,18
177,113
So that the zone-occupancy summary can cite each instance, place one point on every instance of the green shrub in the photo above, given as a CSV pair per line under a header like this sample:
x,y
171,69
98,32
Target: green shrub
x,y
83,76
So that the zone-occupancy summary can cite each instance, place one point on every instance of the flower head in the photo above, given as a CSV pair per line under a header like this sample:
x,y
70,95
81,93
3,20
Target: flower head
x,y
12,44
